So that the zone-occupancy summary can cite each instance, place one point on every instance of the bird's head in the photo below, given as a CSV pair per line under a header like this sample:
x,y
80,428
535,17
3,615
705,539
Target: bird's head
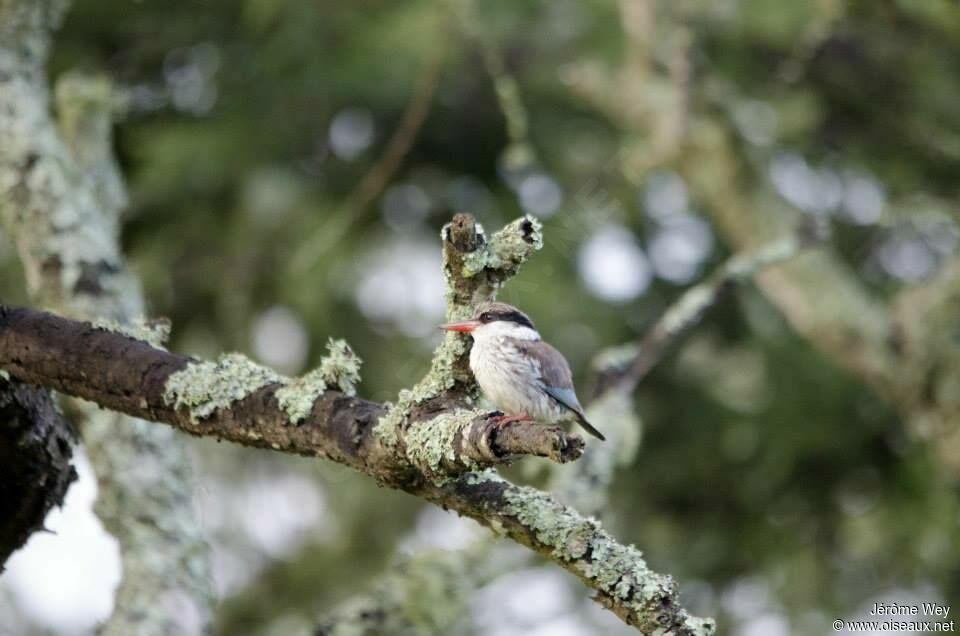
x,y
493,318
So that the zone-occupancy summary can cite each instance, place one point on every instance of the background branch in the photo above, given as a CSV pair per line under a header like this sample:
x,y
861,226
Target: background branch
x,y
378,176
887,345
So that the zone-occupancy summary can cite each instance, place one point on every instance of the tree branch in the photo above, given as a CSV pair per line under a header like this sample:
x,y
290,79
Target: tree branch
x,y
583,486
239,401
378,176
424,444
577,543
622,368
35,452
623,583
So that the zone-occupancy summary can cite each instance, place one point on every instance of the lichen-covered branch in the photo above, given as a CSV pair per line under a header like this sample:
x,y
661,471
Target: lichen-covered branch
x,y
35,451
237,400
425,444
623,583
66,240
622,368
475,268
60,197
120,372
618,574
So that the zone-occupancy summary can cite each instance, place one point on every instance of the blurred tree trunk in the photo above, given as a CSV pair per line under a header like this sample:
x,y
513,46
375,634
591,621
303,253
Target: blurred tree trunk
x,y
60,200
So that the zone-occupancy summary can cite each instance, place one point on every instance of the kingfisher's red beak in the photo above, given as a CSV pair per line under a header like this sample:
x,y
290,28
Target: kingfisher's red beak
x,y
464,326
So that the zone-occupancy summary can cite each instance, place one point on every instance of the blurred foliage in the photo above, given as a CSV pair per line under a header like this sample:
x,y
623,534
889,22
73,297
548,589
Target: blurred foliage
x,y
770,484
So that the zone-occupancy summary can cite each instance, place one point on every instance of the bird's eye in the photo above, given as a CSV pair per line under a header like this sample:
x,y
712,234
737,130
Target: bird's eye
x,y
486,316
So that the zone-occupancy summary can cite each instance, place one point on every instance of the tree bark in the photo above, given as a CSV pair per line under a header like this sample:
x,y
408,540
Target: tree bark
x,y
122,373
35,451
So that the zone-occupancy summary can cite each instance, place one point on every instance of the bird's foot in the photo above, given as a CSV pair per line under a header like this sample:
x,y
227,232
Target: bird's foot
x,y
501,419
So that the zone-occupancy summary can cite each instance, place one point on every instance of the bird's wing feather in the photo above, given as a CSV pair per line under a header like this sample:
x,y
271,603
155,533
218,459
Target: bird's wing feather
x,y
556,378
554,370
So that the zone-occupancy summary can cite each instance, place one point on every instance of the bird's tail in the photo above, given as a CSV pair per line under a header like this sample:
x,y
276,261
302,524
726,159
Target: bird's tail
x,y
588,427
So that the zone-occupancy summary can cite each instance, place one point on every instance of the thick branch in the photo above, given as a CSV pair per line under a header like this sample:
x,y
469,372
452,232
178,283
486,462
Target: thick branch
x,y
419,445
35,451
624,584
122,373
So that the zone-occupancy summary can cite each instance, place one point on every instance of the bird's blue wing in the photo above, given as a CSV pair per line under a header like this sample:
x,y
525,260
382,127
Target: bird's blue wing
x,y
555,376
566,397
555,379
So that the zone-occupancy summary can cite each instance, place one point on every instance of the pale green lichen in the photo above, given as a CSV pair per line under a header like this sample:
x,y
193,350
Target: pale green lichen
x,y
389,423
4,375
437,380
81,97
553,524
485,476
700,626
204,387
507,249
688,309
153,332
340,369
429,443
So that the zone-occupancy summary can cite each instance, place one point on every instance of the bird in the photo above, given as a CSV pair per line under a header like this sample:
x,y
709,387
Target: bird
x,y
524,377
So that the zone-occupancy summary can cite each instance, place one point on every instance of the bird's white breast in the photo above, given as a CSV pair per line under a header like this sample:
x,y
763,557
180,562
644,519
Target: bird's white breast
x,y
509,378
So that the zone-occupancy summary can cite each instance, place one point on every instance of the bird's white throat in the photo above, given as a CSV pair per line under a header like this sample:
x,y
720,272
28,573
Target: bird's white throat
x,y
504,328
